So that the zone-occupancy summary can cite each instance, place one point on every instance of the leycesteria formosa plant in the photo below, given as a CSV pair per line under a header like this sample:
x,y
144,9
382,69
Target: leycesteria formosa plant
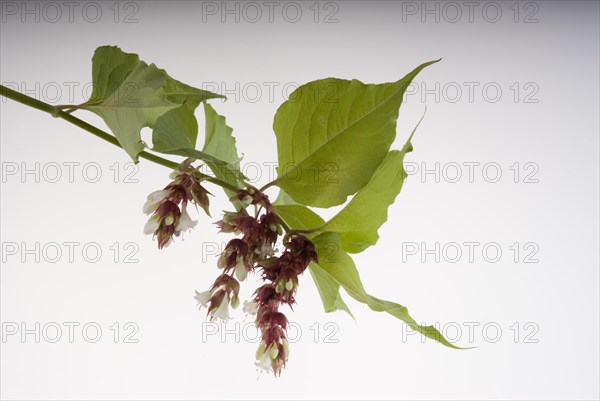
x,y
326,126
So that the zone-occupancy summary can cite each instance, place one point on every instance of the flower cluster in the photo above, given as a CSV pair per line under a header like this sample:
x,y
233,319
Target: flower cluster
x,y
168,217
259,232
281,281
224,292
255,250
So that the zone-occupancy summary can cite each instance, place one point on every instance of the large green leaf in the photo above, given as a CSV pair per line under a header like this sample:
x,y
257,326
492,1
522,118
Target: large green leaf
x,y
284,199
299,217
219,140
332,134
358,222
302,218
130,95
339,266
335,269
136,103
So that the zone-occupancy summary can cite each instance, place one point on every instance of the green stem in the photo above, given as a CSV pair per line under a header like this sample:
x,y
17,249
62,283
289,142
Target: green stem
x,y
67,107
56,111
268,185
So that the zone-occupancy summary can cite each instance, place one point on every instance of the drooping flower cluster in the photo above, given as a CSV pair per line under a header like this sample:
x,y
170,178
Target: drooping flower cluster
x,y
259,233
224,291
168,206
281,281
255,251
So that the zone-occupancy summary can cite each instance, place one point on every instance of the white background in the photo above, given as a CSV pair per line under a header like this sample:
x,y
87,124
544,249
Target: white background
x,y
553,125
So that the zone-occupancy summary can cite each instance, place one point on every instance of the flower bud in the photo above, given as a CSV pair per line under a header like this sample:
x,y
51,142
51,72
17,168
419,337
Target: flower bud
x,y
273,351
200,196
235,302
261,350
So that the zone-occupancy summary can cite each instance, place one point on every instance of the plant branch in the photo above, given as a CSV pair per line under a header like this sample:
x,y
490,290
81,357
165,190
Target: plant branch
x,y
56,111
268,185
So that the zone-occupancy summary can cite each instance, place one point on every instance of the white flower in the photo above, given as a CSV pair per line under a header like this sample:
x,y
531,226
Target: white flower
x,y
185,222
222,311
154,199
240,270
263,358
250,307
265,251
203,298
152,225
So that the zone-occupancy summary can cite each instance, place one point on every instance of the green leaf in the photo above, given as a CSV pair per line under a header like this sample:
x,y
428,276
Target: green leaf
x,y
340,267
329,290
130,95
302,218
358,222
299,217
136,103
110,68
219,140
180,93
176,129
332,134
175,133
284,199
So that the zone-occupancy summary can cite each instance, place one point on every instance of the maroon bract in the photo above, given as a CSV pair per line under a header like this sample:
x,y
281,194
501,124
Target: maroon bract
x,y
168,219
